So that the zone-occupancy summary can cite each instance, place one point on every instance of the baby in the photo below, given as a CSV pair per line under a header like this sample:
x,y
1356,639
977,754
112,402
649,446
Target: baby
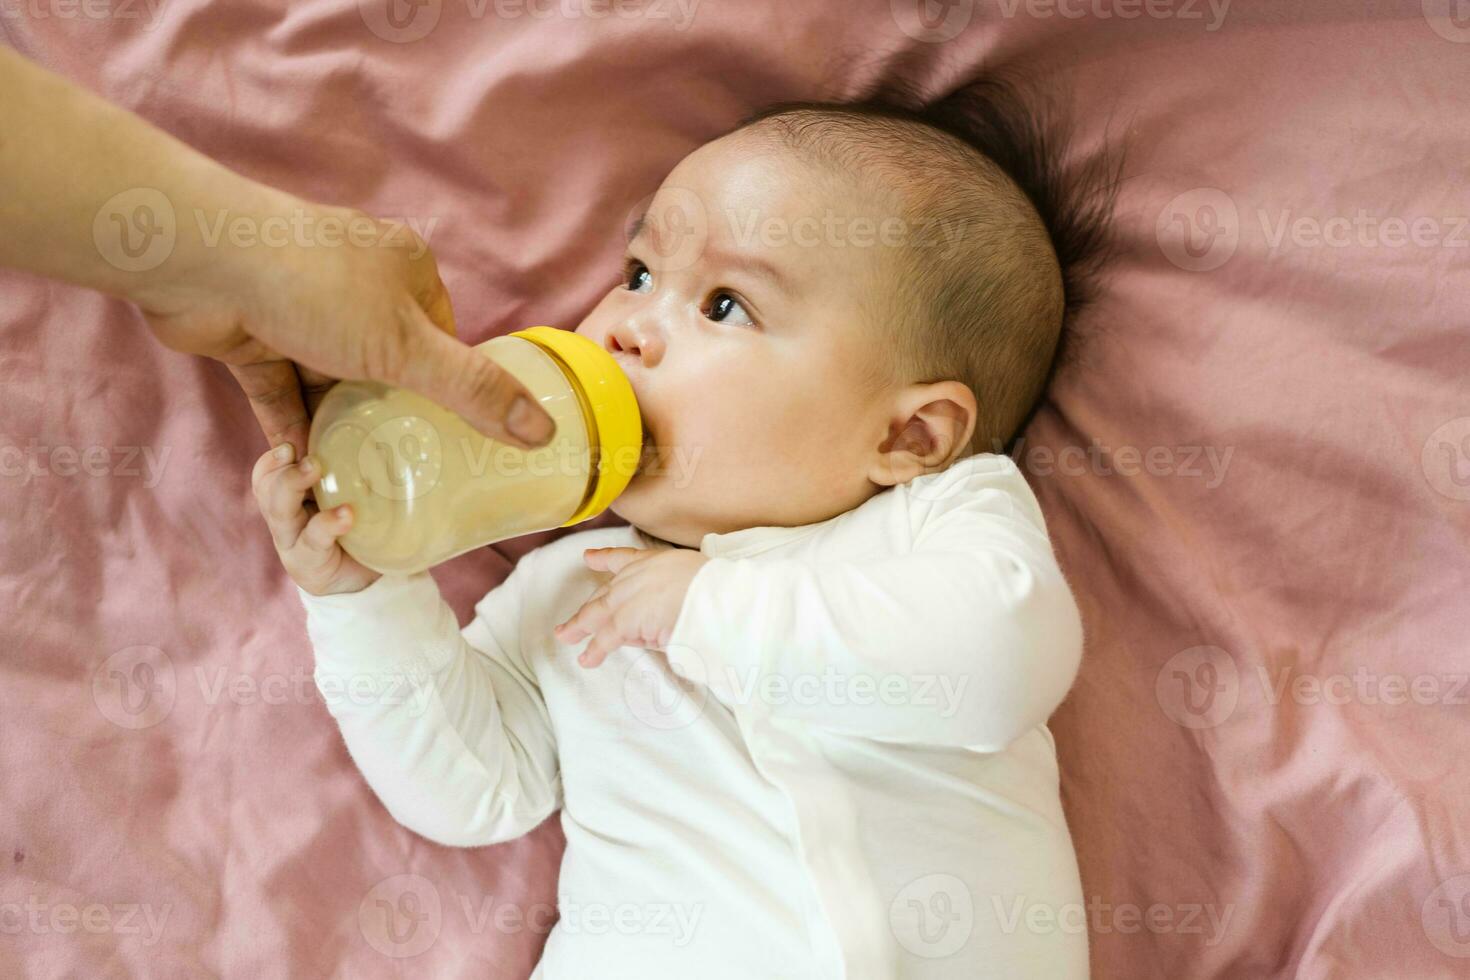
x,y
793,715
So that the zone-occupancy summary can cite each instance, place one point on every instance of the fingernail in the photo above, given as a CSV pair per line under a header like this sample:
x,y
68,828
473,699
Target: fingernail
x,y
306,466
343,512
527,422
285,452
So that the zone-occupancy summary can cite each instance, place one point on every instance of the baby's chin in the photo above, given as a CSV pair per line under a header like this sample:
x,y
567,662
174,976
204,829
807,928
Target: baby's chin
x,y
658,502
646,512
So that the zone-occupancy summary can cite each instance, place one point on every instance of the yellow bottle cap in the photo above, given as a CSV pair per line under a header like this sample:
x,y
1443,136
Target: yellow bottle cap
x,y
614,409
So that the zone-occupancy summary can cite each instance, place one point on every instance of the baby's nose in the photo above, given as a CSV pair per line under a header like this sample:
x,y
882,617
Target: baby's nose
x,y
640,340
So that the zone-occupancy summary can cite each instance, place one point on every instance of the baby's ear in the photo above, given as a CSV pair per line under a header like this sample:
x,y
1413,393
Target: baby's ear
x,y
930,427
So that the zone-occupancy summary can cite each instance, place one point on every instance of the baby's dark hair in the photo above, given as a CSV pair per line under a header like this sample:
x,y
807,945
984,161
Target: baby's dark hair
x,y
993,309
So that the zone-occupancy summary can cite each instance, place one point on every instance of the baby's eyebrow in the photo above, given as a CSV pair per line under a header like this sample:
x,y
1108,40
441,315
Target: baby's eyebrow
x,y
756,265
753,264
635,227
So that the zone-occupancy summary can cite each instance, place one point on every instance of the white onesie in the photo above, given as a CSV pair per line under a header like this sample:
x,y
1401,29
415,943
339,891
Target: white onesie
x,y
840,768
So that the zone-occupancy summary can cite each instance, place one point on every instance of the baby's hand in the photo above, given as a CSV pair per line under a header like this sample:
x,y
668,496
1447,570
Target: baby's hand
x,y
638,607
305,539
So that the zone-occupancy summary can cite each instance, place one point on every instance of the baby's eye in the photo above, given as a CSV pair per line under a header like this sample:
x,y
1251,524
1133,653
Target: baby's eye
x,y
725,308
636,277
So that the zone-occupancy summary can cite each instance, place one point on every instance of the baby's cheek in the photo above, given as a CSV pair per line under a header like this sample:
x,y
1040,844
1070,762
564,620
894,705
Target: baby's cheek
x,y
735,429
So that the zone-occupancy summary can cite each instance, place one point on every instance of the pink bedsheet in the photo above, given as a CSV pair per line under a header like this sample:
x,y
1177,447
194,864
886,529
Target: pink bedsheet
x,y
1257,473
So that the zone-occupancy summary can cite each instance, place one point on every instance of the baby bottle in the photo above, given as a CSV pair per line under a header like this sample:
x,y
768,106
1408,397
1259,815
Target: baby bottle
x,y
425,486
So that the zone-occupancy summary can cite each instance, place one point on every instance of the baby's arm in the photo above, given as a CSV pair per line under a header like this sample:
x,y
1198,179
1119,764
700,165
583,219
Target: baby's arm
x,y
448,727
971,638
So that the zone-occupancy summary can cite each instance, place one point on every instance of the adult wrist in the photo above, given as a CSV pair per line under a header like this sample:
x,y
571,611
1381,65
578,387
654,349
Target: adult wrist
x,y
230,236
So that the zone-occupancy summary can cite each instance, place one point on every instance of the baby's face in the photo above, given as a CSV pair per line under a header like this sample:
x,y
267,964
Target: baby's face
x,y
744,321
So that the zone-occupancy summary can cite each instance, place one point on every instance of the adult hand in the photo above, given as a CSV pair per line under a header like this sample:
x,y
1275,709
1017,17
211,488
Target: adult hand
x,y
91,187
368,305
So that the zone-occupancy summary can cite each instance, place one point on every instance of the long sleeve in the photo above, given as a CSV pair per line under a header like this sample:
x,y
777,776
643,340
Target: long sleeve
x,y
448,727
969,637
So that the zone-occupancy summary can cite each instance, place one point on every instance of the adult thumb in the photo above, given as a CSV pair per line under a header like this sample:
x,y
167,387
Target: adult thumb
x,y
471,385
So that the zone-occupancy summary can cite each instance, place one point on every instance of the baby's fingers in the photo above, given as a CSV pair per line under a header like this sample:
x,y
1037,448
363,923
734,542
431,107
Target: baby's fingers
x,y
276,459
604,642
280,490
319,538
585,621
